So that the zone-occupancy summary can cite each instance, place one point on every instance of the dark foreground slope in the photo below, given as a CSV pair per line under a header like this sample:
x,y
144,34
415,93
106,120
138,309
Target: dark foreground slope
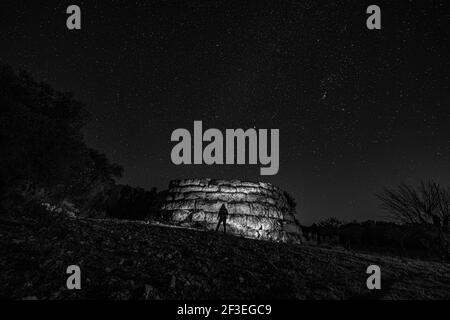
x,y
130,260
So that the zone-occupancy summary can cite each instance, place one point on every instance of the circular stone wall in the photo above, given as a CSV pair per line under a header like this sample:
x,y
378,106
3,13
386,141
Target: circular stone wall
x,y
256,210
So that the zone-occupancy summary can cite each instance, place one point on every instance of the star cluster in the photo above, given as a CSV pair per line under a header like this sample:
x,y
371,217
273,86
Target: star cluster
x,y
357,109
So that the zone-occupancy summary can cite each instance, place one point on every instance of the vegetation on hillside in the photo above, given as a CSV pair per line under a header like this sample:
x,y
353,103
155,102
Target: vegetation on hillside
x,y
44,157
136,260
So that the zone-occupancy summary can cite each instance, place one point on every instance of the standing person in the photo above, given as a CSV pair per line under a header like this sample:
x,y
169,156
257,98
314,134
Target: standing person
x,y
223,213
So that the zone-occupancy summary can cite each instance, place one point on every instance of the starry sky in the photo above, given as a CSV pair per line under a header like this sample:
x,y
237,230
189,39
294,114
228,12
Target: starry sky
x,y
357,109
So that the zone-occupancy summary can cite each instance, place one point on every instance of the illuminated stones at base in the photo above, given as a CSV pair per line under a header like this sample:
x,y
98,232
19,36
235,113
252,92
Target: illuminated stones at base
x,y
256,210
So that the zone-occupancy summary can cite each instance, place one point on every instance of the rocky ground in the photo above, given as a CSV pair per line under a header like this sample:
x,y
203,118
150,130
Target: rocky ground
x,y
133,260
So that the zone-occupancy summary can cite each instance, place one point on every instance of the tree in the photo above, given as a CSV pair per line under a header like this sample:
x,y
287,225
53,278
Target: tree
x,y
427,204
41,141
331,223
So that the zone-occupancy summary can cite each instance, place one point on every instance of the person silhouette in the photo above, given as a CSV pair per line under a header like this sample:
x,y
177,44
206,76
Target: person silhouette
x,y
223,213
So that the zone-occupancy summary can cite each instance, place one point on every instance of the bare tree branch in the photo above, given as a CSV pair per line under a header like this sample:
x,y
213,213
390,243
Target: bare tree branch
x,y
429,203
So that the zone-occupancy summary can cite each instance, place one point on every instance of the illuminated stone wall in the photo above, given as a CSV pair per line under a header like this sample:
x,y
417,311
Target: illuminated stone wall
x,y
256,210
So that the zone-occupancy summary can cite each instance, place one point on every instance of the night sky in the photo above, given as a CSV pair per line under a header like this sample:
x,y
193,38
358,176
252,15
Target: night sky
x,y
357,109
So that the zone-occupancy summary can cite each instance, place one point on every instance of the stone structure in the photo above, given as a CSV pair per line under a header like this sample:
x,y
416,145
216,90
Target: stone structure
x,y
256,210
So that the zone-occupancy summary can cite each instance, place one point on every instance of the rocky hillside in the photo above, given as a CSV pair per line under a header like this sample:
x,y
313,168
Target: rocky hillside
x,y
131,260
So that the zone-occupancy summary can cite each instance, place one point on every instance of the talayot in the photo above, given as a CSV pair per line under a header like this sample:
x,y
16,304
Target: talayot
x,y
213,153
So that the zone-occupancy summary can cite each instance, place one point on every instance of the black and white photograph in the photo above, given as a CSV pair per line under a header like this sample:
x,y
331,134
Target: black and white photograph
x,y
201,152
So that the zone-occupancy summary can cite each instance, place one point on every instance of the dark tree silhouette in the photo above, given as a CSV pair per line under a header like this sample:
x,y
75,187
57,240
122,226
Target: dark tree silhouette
x,y
427,204
41,142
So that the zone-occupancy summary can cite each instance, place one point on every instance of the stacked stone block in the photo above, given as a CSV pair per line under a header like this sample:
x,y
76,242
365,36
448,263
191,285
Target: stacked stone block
x,y
256,210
